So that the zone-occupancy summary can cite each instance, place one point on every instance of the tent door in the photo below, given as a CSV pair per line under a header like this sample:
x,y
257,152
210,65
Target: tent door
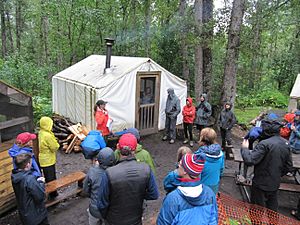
x,y
147,101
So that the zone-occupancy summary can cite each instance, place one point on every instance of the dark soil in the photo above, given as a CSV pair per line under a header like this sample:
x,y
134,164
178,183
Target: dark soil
x,y
73,211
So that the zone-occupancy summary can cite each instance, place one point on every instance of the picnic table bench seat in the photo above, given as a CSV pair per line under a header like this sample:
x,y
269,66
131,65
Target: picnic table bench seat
x,y
54,185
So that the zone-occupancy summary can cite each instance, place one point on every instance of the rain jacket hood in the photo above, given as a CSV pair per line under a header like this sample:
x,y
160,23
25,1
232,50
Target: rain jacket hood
x,y
46,123
228,103
211,150
171,93
192,194
204,96
190,100
16,150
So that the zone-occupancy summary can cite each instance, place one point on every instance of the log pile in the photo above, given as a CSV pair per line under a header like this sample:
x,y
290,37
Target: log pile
x,y
68,133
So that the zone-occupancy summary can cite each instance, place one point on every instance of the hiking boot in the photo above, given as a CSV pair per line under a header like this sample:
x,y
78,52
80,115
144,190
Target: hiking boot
x,y
165,138
185,141
172,141
191,143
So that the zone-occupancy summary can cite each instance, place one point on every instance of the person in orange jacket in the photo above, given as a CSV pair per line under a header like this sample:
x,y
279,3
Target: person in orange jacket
x,y
188,113
101,117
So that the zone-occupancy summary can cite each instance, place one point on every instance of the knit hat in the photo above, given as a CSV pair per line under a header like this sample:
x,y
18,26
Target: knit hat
x,y
128,140
193,164
25,137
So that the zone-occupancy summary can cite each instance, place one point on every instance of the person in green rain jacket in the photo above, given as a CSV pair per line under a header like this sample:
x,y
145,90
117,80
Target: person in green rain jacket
x,y
48,147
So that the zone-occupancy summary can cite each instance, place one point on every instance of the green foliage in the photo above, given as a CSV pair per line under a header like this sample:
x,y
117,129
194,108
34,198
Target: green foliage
x,y
266,98
41,107
26,76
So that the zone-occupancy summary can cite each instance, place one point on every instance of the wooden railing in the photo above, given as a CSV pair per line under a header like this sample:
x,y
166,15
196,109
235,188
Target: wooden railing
x,y
146,116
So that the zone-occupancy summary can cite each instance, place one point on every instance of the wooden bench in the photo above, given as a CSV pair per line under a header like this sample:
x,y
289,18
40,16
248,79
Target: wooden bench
x,y
63,182
289,187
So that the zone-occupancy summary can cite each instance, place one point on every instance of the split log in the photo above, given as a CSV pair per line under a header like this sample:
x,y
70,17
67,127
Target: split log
x,y
71,145
77,148
61,135
259,117
61,129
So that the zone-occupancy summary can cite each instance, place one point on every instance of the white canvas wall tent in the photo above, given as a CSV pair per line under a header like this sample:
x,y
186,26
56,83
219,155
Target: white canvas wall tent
x,y
124,85
294,102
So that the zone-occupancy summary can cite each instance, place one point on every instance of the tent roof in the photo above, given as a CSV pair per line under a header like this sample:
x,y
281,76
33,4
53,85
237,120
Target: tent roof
x,y
295,93
90,71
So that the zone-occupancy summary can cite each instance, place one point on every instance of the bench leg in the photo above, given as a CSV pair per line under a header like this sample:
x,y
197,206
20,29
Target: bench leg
x,y
80,183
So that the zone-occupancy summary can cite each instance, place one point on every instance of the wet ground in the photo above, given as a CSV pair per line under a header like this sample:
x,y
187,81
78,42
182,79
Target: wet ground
x,y
73,211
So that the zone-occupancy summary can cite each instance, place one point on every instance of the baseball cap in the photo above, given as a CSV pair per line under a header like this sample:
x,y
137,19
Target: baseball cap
x,y
25,137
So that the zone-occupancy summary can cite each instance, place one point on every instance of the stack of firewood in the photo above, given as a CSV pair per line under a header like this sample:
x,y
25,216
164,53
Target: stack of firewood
x,y
67,138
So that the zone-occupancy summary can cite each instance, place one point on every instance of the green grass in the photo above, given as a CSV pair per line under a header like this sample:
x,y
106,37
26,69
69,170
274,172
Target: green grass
x,y
244,116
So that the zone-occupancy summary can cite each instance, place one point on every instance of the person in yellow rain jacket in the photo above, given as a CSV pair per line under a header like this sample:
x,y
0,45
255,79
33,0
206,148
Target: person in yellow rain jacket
x,y
48,146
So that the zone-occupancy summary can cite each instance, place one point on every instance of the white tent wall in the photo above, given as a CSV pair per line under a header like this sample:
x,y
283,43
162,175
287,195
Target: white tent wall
x,y
76,99
121,101
295,94
121,98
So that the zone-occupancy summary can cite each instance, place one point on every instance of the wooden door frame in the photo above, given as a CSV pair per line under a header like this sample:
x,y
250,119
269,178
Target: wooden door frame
x,y
139,76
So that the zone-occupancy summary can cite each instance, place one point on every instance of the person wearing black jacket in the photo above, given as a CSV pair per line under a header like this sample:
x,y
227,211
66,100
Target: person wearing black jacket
x,y
226,122
271,159
29,191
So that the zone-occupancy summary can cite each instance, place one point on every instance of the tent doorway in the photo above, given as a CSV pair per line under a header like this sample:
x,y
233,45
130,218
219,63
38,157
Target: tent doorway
x,y
147,101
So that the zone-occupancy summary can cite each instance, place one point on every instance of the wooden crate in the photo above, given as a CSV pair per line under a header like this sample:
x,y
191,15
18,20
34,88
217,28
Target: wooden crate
x,y
7,196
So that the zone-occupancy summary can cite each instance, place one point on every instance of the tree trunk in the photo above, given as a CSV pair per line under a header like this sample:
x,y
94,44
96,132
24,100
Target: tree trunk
x,y
9,31
147,5
184,47
18,23
3,30
44,33
198,50
230,70
255,46
208,38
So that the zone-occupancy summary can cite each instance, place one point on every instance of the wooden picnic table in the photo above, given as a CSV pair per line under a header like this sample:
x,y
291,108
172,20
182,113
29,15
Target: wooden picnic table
x,y
238,158
283,186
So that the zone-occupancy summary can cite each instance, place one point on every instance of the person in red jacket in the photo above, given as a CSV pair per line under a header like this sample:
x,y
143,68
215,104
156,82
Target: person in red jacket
x,y
188,113
101,117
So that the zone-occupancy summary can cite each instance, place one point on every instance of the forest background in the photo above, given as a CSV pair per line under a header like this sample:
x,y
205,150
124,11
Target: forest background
x,y
244,51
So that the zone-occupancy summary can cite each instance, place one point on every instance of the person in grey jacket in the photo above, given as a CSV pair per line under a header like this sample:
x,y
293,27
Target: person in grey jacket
x,y
226,122
203,112
93,182
172,110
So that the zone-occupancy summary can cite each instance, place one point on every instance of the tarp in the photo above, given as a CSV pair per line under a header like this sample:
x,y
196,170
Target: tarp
x,y
76,89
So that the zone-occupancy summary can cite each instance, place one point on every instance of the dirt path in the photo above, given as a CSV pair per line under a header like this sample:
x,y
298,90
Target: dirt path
x,y
73,211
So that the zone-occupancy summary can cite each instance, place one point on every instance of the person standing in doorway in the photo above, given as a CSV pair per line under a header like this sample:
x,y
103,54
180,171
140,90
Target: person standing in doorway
x,y
101,117
203,112
172,110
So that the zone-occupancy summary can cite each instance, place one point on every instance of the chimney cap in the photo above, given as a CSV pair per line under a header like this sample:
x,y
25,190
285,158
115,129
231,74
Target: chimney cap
x,y
109,41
